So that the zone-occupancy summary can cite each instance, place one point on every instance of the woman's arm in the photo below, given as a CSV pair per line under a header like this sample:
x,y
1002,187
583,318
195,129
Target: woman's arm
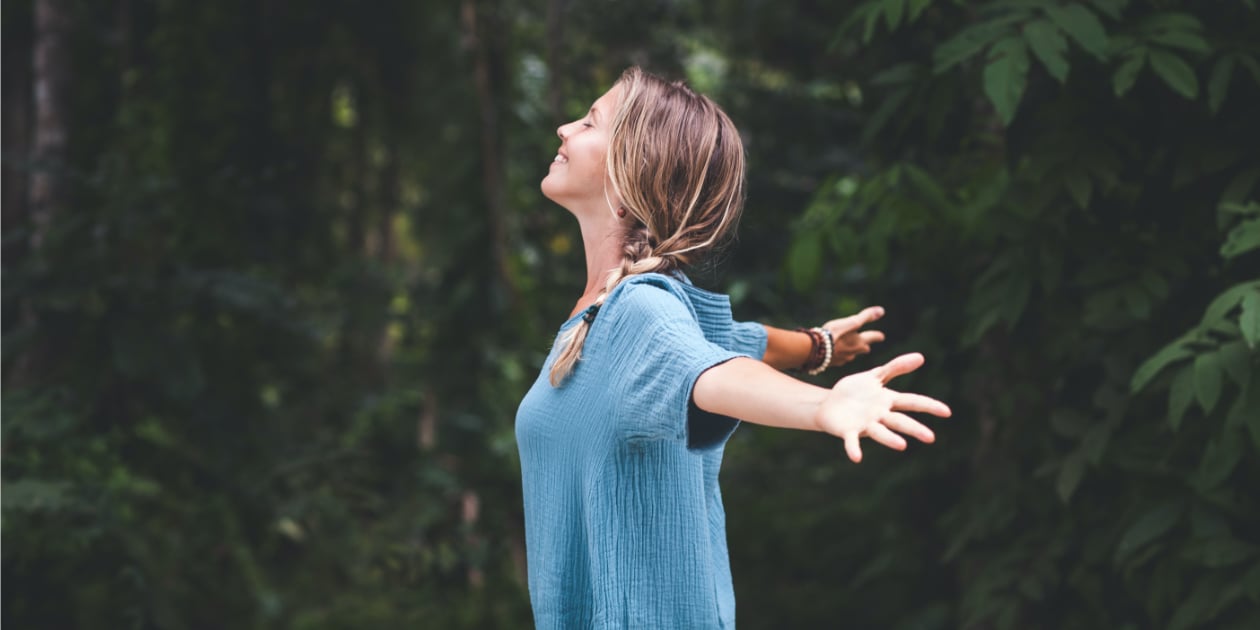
x,y
789,349
859,405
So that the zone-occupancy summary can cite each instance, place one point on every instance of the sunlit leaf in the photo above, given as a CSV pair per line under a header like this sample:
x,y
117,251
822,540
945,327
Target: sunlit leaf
x,y
1249,319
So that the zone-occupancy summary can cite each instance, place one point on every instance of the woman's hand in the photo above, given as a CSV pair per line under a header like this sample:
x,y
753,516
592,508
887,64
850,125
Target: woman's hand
x,y
860,405
849,340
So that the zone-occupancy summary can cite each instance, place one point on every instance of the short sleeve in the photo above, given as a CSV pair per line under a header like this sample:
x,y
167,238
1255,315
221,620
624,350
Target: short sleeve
x,y
660,352
749,338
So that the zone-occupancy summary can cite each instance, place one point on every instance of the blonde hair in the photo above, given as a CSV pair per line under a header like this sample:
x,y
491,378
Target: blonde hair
x,y
676,161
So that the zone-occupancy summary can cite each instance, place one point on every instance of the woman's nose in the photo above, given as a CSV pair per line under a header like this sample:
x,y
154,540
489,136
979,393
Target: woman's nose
x,y
560,132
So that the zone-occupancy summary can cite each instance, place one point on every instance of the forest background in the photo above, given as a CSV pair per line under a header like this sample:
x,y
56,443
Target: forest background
x,y
276,275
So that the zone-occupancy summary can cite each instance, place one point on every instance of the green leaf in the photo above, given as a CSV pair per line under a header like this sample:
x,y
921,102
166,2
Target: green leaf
x,y
1240,187
1222,304
1243,238
872,21
1249,319
1122,81
905,72
1006,76
917,7
968,42
1070,475
1168,355
36,495
1219,460
1049,45
893,10
1068,423
1170,21
1218,83
1250,64
1111,7
1246,411
1192,611
1175,72
1218,552
1080,187
1180,395
1207,381
1236,359
884,113
1149,527
1081,25
1095,442
804,259
1181,39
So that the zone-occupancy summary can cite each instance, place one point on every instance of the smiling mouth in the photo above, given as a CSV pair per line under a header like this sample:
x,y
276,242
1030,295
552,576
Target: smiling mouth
x,y
560,159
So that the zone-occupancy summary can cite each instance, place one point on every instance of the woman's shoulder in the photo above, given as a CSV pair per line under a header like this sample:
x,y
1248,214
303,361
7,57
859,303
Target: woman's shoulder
x,y
663,295
650,288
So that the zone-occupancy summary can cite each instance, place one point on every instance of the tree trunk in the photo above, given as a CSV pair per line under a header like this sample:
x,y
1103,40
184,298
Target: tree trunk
x,y
46,193
48,152
480,33
555,67
16,137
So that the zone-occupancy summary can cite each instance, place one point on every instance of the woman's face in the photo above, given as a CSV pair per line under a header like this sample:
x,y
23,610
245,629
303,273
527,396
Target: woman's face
x,y
577,177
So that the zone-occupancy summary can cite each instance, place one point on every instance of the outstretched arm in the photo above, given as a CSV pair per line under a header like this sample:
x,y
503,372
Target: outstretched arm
x,y
859,405
789,349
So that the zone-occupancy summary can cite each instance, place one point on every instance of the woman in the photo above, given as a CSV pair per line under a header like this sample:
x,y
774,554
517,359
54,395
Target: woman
x,y
621,436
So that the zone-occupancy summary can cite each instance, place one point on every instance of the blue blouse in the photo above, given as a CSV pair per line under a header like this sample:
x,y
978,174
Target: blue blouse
x,y
624,522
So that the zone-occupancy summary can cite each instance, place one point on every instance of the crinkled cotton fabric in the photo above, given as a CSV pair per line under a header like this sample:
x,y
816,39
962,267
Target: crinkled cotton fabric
x,y
624,521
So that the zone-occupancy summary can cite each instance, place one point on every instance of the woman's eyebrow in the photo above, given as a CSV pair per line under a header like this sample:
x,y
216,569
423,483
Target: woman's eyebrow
x,y
594,113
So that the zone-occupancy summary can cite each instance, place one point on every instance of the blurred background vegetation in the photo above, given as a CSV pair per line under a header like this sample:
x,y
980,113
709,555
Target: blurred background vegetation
x,y
276,275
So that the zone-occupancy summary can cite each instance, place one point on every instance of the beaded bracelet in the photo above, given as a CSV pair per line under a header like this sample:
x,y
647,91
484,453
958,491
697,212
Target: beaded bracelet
x,y
820,350
828,345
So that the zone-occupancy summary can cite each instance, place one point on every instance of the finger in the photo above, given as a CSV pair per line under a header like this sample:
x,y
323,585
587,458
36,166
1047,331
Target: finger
x,y
869,337
902,423
852,447
885,436
918,402
854,322
855,341
903,364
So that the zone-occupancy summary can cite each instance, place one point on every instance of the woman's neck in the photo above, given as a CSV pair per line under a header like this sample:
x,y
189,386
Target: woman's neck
x,y
601,241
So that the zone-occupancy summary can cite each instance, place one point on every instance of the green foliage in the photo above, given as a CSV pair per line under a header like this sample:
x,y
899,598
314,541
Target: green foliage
x,y
263,368
1052,240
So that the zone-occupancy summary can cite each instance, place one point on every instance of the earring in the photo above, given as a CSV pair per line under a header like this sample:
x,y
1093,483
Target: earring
x,y
621,212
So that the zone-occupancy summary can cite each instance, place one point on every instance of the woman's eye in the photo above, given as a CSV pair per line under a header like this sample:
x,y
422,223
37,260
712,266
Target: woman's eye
x,y
587,124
